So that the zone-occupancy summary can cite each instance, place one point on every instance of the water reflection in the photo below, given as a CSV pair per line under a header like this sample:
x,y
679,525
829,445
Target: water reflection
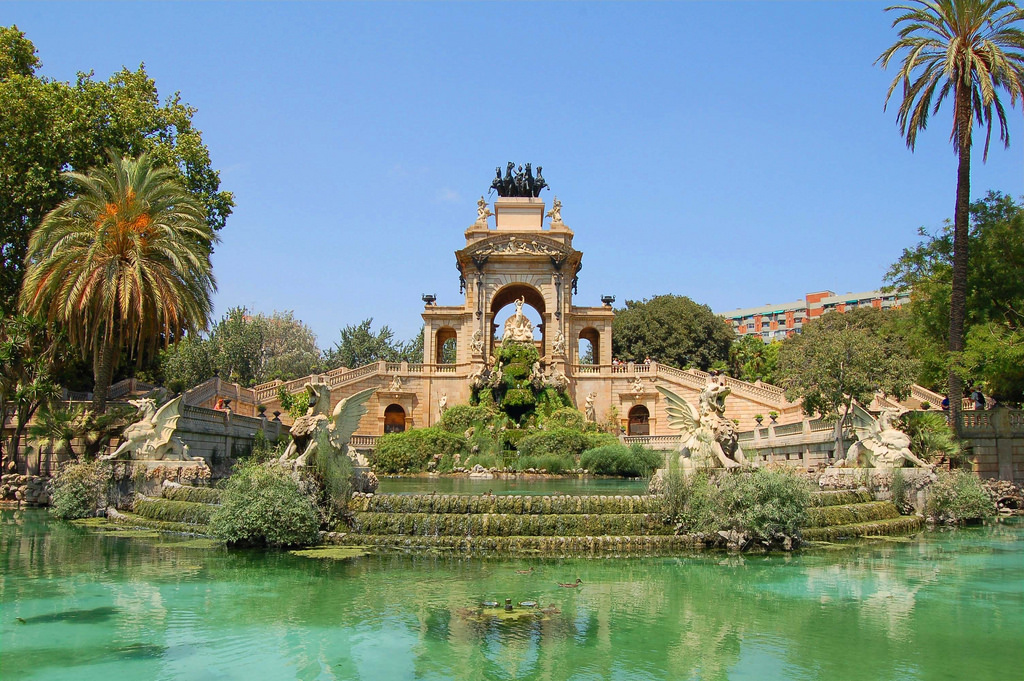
x,y
886,610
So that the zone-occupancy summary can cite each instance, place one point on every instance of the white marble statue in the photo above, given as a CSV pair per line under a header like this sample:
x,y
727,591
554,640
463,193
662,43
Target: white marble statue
x,y
556,212
517,327
152,438
442,403
705,434
339,424
477,343
396,384
556,379
558,347
589,409
638,386
881,445
482,212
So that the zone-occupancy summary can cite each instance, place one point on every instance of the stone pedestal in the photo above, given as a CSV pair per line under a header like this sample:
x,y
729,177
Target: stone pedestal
x,y
517,214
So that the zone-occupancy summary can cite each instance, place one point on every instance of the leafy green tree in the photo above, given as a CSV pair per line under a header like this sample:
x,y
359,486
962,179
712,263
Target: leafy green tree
x,y
289,348
48,127
751,359
359,345
971,49
994,346
842,357
31,357
125,263
670,329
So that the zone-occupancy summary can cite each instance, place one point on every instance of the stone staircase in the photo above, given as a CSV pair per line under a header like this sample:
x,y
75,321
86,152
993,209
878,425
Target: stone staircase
x,y
179,508
845,514
557,525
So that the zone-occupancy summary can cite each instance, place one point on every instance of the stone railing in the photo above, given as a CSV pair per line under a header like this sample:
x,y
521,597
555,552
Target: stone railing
x,y
364,441
128,386
653,441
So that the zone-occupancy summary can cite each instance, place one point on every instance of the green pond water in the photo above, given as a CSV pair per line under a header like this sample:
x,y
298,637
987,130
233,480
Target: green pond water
x,y
466,485
78,605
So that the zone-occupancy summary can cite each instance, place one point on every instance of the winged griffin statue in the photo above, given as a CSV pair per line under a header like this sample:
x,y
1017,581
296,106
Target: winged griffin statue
x,y
705,434
151,438
881,445
338,424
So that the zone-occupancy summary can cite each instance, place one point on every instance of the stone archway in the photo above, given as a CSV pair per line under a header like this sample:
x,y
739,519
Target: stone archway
x,y
507,295
446,346
394,419
639,421
592,336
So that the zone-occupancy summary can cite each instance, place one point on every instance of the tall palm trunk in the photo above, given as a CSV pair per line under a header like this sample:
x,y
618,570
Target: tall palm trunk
x,y
103,373
958,295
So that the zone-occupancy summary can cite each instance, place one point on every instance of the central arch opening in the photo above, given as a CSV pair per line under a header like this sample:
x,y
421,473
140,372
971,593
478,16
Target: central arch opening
x,y
639,420
503,307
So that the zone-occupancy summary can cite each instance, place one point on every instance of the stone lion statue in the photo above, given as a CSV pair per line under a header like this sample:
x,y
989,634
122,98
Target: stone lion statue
x,y
706,436
338,424
881,445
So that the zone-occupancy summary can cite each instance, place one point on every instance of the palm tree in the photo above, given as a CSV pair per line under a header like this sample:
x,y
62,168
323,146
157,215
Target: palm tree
x,y
123,264
970,49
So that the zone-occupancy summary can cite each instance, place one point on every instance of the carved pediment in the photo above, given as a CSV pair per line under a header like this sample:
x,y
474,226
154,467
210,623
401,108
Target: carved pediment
x,y
510,244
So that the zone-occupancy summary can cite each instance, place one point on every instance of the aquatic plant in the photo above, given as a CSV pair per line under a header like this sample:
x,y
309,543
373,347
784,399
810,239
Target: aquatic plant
x,y
263,505
79,490
959,496
635,461
174,511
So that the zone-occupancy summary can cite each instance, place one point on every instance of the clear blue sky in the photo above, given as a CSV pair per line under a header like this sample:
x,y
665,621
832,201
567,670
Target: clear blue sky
x,y
736,153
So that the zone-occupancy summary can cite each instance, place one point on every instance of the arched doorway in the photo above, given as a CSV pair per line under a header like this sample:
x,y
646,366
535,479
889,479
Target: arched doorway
x,y
394,419
639,420
533,300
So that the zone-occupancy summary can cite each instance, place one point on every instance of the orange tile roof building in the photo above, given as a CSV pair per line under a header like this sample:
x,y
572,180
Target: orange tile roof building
x,y
776,321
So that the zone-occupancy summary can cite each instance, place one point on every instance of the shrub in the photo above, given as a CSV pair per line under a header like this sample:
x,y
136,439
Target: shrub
x,y
79,490
931,438
959,496
460,418
595,439
761,503
552,463
567,417
691,500
635,461
412,450
563,442
262,505
764,503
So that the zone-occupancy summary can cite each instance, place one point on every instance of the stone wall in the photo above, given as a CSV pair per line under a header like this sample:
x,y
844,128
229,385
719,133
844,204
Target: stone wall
x,y
995,441
25,490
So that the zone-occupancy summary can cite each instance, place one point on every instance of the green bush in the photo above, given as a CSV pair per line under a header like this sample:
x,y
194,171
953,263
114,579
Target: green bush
x,y
931,438
762,503
597,438
263,505
958,496
691,500
460,418
566,417
635,461
765,502
79,490
562,442
552,463
412,450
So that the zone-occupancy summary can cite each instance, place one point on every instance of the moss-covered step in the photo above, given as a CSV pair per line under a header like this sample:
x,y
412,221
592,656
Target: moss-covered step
x,y
195,495
507,525
840,497
652,544
847,514
900,525
514,504
135,520
185,512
